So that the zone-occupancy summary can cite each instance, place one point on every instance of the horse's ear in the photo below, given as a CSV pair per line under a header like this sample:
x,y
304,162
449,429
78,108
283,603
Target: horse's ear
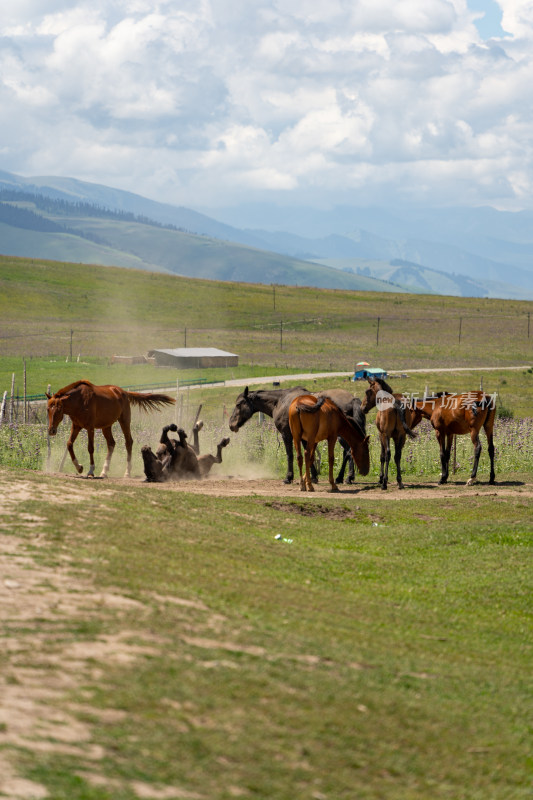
x,y
367,439
369,379
245,391
49,396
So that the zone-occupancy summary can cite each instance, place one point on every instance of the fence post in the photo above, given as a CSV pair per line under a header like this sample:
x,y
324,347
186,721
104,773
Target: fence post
x,y
377,333
12,404
2,410
25,415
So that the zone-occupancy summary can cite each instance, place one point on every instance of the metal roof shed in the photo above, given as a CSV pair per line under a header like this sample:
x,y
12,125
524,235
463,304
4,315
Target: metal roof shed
x,y
369,372
194,357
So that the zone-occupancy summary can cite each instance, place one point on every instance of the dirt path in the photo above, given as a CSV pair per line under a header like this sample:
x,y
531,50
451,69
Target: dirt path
x,y
228,486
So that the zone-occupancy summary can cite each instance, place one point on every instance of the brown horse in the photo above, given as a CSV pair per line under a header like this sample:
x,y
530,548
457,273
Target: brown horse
x,y
312,421
394,421
458,414
91,407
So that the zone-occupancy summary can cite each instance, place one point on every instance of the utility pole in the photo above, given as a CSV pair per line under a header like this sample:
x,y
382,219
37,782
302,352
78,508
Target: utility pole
x,y
460,327
377,333
281,335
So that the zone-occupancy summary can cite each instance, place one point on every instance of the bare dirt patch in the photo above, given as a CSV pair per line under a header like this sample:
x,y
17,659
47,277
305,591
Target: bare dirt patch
x,y
227,486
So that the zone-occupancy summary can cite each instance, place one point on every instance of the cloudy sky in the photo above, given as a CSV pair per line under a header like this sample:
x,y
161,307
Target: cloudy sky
x,y
209,103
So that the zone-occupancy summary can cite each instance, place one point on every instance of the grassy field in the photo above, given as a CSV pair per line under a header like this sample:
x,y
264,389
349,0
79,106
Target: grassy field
x,y
161,643
173,648
127,312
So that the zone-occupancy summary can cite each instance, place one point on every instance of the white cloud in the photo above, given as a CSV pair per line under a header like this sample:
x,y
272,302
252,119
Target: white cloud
x,y
190,100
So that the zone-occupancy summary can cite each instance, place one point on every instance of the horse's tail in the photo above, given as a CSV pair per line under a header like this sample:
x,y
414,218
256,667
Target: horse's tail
x,y
400,410
312,409
149,402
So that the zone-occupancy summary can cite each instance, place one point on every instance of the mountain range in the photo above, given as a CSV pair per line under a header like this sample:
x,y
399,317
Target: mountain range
x,y
479,252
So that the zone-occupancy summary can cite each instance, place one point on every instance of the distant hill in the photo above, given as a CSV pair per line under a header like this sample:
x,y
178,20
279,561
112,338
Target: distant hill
x,y
35,226
484,252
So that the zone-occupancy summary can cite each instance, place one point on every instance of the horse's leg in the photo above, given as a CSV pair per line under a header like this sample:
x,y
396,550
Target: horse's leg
x,y
331,459
74,431
309,456
124,422
196,444
347,460
287,441
476,441
108,434
488,426
351,466
398,447
385,458
90,448
444,462
206,462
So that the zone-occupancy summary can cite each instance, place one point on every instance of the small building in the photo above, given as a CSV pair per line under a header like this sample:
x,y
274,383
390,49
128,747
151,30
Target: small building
x,y
193,357
369,372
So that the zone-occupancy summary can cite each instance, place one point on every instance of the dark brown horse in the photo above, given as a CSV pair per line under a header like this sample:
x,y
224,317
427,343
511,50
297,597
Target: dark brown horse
x,y
176,459
93,407
311,421
394,421
457,414
275,403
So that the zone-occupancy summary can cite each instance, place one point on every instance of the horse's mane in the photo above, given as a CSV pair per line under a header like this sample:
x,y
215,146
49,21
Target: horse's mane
x,y
356,426
358,415
384,385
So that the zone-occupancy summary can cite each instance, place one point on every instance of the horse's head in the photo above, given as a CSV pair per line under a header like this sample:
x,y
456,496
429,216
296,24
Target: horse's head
x,y
242,412
361,455
369,400
55,413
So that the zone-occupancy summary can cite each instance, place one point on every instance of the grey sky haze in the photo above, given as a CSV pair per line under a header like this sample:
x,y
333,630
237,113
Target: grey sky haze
x,y
218,102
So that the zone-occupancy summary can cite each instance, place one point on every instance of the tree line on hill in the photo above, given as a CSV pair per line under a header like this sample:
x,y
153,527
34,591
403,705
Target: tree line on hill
x,y
18,217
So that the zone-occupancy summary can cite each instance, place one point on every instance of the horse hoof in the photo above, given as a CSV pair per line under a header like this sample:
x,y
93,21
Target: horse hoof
x,y
471,481
333,489
79,469
199,425
401,486
383,487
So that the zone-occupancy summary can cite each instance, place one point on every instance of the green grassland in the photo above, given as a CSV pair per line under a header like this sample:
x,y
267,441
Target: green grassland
x,y
381,652
171,647
122,311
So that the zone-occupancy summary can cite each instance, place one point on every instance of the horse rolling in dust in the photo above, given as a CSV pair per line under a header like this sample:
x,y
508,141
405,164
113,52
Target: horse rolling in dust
x,y
178,460
275,403
311,421
456,415
93,407
394,421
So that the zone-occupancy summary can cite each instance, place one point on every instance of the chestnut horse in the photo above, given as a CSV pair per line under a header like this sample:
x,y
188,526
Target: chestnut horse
x,y
457,414
394,421
90,407
312,421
